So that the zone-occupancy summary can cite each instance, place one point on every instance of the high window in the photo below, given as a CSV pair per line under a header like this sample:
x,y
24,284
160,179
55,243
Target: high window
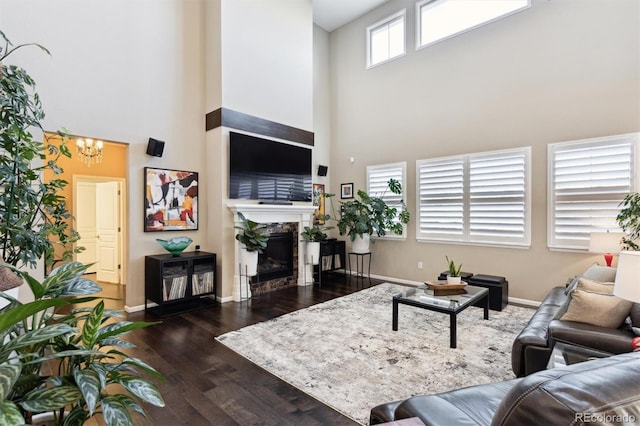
x,y
377,185
481,198
441,19
386,39
587,181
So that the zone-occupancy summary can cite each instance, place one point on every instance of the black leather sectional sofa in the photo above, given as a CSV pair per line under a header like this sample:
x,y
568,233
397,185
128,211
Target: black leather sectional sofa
x,y
605,390
532,347
601,391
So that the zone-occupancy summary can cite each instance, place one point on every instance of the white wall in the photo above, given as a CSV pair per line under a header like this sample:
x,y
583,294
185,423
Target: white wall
x,y
122,71
267,59
562,70
321,104
266,51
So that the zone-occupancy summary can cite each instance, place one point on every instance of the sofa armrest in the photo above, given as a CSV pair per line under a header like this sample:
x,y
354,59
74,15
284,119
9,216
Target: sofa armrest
x,y
531,348
470,406
610,340
604,387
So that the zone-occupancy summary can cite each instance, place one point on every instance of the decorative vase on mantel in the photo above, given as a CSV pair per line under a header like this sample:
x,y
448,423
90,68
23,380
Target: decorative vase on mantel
x,y
361,244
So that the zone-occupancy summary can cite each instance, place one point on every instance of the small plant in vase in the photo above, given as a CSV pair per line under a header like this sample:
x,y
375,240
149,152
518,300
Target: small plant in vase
x,y
253,238
454,272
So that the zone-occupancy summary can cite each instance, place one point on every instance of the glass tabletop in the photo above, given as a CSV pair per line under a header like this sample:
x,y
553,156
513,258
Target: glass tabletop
x,y
454,302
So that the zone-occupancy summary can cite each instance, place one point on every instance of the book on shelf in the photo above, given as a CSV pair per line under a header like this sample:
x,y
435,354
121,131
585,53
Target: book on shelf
x,y
326,262
202,283
331,262
174,287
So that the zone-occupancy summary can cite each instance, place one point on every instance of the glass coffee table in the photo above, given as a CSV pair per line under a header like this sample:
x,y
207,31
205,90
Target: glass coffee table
x,y
423,297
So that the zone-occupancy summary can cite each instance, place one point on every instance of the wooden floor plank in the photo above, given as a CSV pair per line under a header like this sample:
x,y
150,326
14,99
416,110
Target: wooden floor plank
x,y
209,384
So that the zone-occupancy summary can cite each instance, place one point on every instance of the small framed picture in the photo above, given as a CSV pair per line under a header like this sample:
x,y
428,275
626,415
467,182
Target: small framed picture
x,y
346,190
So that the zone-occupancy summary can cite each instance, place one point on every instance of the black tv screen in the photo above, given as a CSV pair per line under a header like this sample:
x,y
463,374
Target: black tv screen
x,y
262,169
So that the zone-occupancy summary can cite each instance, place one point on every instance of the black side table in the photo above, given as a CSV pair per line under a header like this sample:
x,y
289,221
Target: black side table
x,y
360,264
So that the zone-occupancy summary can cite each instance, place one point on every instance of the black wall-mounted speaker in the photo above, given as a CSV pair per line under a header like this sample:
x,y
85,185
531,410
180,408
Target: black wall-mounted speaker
x,y
322,170
155,147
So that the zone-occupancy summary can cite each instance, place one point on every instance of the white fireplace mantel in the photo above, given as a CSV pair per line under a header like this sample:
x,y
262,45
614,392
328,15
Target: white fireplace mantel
x,y
268,213
302,214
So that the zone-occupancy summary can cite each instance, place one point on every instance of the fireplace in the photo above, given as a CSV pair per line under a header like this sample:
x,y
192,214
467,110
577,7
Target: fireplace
x,y
279,218
276,261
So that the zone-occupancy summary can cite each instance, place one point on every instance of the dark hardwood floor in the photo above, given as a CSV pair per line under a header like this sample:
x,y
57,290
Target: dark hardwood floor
x,y
208,384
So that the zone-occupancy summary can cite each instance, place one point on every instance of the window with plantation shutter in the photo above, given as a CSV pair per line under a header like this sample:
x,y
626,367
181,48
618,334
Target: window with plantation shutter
x,y
479,198
377,185
441,198
587,181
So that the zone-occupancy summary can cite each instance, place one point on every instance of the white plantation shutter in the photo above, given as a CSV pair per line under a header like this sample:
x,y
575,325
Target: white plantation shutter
x,y
587,181
441,198
475,198
377,185
498,206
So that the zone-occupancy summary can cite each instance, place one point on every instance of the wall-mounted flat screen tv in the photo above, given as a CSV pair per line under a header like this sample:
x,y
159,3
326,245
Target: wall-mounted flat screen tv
x,y
266,170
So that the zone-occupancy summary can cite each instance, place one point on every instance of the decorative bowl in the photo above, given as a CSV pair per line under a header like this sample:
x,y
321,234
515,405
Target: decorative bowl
x,y
176,245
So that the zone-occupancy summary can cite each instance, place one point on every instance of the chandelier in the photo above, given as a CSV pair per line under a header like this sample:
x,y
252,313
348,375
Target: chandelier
x,y
90,151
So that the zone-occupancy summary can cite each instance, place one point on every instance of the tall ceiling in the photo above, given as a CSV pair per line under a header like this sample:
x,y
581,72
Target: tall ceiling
x,y
332,14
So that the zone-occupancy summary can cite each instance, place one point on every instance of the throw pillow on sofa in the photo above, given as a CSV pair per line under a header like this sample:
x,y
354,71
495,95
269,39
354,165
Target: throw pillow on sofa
x,y
594,303
600,273
595,272
595,286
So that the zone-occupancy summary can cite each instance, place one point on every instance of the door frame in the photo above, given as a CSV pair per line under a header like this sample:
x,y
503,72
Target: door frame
x,y
123,243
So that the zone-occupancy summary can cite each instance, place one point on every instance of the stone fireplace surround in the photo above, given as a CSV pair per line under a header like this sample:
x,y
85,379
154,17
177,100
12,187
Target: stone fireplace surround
x,y
302,214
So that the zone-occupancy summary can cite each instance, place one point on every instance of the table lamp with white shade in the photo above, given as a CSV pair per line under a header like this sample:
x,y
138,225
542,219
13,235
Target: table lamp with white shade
x,y
627,284
607,243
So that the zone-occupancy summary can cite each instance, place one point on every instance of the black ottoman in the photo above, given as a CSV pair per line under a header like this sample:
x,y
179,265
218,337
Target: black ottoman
x,y
498,289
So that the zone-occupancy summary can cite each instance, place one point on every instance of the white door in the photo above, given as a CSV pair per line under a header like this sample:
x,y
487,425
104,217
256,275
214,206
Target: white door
x,y
108,229
85,214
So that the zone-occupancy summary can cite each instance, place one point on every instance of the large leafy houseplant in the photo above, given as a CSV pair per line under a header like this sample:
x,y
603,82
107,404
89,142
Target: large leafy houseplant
x,y
628,219
56,355
314,233
252,235
60,356
33,216
367,214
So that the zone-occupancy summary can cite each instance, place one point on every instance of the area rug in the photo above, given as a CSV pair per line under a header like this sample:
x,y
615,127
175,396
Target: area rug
x,y
344,353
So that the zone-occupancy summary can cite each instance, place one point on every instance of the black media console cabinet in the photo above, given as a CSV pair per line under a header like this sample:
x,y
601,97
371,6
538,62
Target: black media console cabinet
x,y
179,283
332,255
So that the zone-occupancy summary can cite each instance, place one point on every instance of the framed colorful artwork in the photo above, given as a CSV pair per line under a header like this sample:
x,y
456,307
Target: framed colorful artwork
x,y
318,202
170,200
346,190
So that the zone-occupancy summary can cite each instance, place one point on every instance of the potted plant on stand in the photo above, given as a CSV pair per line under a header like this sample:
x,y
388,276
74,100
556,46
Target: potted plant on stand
x,y
360,217
454,272
313,236
253,238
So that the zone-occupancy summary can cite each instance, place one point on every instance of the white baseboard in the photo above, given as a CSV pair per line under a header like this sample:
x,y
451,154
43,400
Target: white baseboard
x,y
138,308
524,302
